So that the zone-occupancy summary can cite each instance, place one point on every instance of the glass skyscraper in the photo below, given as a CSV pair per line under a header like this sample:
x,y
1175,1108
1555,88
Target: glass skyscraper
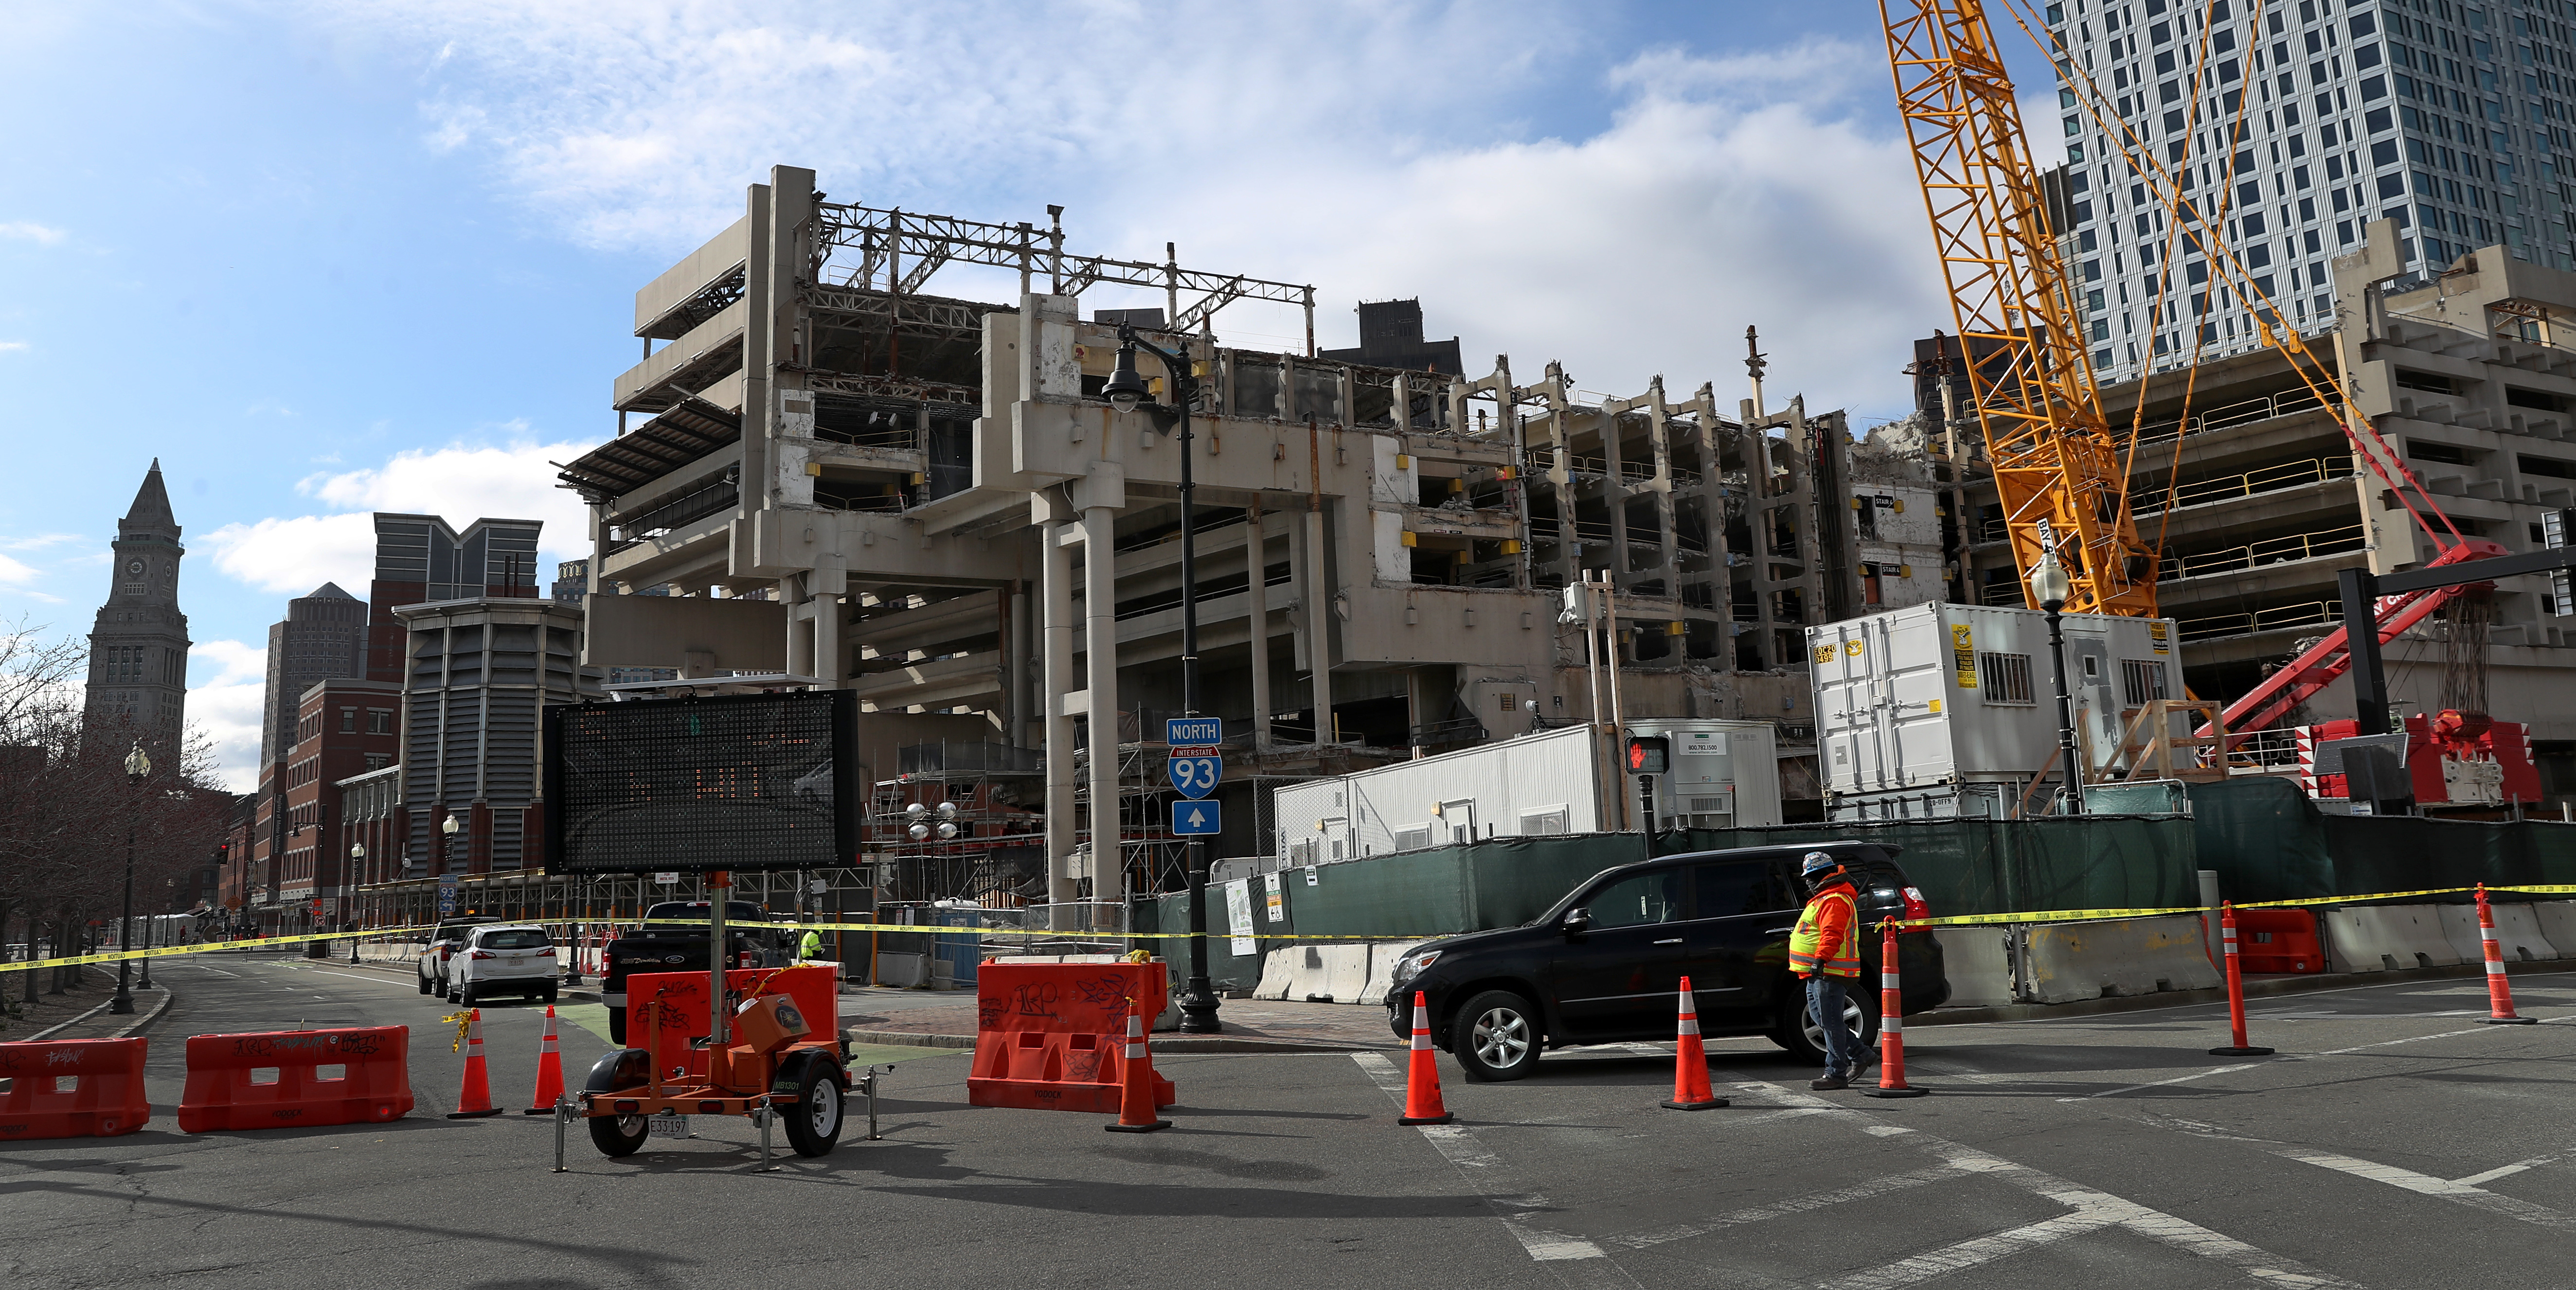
x,y
2450,119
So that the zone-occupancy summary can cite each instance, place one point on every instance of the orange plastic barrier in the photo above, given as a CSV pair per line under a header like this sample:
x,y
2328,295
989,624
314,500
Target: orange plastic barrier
x,y
665,1010
225,1089
1049,1036
72,1088
2279,940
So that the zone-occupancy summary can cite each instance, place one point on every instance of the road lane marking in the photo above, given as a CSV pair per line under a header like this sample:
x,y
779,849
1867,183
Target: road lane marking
x,y
2178,1079
2425,1184
355,977
2463,1191
1984,1249
1783,1208
203,967
2167,1229
2517,1167
1577,1261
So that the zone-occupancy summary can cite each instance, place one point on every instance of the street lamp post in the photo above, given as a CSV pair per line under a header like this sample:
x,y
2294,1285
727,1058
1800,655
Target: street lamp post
x,y
1127,392
2050,586
349,884
137,765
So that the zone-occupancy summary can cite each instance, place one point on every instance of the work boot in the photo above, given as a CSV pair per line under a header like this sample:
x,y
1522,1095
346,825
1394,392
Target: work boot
x,y
1863,1060
1831,1082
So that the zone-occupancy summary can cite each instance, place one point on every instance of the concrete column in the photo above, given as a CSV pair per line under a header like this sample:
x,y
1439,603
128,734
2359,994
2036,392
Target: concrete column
x,y
831,652
1056,589
598,546
1317,592
800,634
1100,645
1256,558
1015,668
1418,704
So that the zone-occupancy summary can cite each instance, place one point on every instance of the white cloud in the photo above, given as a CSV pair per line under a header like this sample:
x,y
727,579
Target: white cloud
x,y
1768,186
13,346
463,482
29,231
15,573
227,706
298,553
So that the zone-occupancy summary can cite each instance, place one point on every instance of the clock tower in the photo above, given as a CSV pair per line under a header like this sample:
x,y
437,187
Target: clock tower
x,y
138,651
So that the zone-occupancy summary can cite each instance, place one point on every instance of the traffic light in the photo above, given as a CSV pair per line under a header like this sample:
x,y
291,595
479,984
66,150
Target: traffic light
x,y
1648,754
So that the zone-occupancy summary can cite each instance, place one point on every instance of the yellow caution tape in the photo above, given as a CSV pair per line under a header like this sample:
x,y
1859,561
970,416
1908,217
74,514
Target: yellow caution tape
x,y
933,929
209,947
462,1021
2048,916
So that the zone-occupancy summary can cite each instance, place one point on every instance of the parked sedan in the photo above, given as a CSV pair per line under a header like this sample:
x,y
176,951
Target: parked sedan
x,y
512,958
1604,965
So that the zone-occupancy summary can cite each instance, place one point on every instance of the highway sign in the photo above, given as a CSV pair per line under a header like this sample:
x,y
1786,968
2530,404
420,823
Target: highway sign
x,y
1196,819
446,894
1183,732
1195,776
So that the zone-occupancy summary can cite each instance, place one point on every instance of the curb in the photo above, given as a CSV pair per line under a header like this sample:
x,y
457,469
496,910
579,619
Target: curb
x,y
2308,984
1166,1042
168,996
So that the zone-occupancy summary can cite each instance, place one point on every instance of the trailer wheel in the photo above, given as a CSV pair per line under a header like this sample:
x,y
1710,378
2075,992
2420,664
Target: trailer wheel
x,y
814,1122
619,1135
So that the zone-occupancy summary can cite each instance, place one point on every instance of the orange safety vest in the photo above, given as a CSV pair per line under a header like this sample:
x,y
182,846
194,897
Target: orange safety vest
x,y
1812,928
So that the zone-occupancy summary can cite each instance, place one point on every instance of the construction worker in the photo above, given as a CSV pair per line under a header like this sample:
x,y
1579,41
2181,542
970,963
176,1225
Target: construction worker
x,y
809,947
1824,950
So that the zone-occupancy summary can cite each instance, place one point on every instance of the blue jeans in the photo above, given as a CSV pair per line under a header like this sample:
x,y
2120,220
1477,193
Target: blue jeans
x,y
1825,1003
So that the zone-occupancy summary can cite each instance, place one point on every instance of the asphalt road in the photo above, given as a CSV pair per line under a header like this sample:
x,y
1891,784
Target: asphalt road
x,y
2394,1142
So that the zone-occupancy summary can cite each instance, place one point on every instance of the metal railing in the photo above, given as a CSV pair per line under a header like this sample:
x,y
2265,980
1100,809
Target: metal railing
x,y
2270,479
696,504
2307,614
2279,550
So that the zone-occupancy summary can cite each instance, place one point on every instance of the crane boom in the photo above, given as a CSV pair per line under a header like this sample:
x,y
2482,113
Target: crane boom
x,y
2019,329
2057,469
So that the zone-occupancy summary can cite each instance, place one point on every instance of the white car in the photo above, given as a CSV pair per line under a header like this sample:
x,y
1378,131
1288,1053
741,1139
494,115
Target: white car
x,y
504,958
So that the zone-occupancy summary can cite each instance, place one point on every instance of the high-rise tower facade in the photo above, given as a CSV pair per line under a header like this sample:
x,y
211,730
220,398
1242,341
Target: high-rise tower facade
x,y
323,639
138,648
2289,124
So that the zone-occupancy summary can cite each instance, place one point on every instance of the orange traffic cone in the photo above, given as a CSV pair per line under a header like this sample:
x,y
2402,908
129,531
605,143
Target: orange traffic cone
x,y
1422,1077
2499,995
475,1098
1891,1021
549,1072
1690,1063
1136,1090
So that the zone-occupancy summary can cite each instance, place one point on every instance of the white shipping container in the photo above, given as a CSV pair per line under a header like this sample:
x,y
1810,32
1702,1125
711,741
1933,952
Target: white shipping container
x,y
1919,703
1538,784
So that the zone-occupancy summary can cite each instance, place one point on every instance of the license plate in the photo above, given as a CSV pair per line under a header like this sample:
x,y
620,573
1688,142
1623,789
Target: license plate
x,y
668,1126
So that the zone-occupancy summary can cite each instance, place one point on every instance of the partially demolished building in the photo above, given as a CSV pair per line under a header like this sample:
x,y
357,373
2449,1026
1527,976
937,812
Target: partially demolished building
x,y
838,475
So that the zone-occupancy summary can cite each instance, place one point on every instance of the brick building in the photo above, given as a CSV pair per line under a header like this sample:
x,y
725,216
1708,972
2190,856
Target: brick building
x,y
343,727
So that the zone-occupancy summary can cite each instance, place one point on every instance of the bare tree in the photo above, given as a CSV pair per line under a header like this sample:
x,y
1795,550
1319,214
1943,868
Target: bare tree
x,y
67,804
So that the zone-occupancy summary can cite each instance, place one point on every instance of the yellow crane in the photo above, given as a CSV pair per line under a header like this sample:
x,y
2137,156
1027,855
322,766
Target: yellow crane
x,y
2061,471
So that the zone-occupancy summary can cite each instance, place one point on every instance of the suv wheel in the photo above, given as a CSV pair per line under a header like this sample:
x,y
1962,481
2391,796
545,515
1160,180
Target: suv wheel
x,y
1496,1036
424,981
1799,1033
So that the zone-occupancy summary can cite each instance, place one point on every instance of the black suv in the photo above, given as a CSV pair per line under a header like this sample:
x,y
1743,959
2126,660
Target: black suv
x,y
1604,965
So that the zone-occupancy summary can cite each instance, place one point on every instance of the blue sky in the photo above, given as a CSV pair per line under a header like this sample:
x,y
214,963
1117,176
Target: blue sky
x,y
332,259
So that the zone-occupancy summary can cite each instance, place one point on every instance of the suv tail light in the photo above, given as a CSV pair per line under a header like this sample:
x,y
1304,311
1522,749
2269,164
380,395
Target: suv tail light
x,y
1915,906
485,954
546,953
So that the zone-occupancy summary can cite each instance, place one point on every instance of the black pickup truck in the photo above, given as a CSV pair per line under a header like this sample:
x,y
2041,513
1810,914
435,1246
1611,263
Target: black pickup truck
x,y
653,948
